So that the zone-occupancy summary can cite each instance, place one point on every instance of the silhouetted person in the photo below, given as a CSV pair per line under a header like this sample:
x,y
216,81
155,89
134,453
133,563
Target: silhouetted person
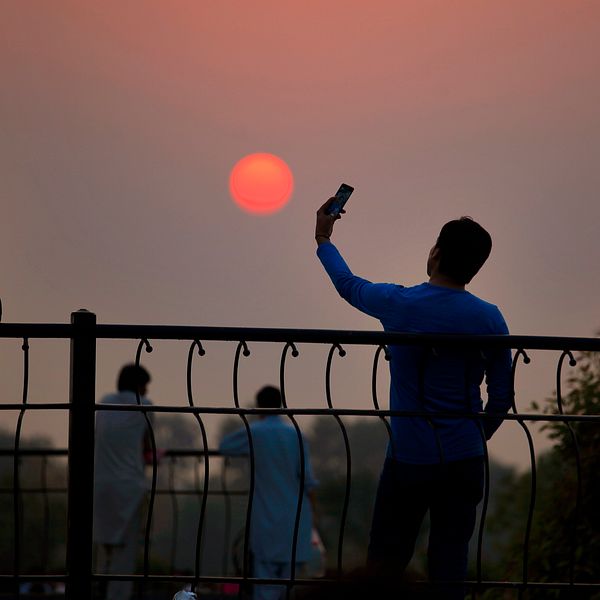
x,y
276,491
120,483
432,464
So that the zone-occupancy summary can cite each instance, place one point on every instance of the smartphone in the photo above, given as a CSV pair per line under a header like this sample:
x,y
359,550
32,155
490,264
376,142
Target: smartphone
x,y
341,197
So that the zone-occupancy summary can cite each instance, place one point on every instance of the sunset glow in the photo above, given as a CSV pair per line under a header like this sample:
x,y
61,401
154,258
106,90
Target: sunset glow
x,y
261,183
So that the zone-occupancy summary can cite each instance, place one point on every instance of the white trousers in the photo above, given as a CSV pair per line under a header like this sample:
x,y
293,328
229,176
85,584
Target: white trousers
x,y
121,560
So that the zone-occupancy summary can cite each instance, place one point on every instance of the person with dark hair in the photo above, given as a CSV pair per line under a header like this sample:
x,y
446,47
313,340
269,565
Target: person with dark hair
x,y
133,378
278,480
433,464
120,484
268,397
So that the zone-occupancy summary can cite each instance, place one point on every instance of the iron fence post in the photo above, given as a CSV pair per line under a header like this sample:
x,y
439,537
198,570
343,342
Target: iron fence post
x,y
81,455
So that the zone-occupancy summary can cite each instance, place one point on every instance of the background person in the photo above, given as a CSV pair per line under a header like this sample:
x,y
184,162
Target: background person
x,y
276,490
120,484
432,464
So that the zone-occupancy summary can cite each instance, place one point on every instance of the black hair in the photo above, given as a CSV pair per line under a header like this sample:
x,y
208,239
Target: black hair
x,y
132,377
464,246
268,397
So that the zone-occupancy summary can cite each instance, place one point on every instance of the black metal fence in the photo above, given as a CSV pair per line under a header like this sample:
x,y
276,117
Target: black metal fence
x,y
174,489
80,575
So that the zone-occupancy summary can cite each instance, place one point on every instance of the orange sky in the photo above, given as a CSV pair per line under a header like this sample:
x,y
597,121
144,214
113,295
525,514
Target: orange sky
x,y
121,122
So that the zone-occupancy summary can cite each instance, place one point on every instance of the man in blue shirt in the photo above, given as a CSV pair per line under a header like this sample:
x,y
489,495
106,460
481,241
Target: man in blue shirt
x,y
277,479
433,463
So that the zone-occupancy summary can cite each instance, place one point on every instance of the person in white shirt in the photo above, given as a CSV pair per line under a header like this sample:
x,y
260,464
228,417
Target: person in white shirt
x,y
278,482
120,483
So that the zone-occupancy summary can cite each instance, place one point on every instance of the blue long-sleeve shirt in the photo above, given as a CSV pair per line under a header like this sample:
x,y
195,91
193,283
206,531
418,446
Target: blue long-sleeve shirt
x,y
445,380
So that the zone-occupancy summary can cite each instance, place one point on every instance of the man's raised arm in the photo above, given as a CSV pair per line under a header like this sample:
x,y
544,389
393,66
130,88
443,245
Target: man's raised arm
x,y
370,298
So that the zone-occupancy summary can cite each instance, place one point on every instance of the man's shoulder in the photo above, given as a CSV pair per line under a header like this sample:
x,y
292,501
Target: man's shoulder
x,y
275,427
273,422
478,300
114,398
483,305
489,313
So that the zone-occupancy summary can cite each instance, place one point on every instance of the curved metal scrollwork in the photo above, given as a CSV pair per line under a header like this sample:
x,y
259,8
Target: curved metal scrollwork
x,y
577,453
344,516
484,508
533,490
144,344
196,344
563,416
242,349
387,356
17,500
291,346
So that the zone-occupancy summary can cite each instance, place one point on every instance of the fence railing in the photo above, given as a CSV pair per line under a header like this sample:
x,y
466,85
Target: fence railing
x,y
45,485
84,332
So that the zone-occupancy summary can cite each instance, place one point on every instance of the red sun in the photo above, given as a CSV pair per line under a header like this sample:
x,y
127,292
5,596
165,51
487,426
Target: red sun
x,y
261,183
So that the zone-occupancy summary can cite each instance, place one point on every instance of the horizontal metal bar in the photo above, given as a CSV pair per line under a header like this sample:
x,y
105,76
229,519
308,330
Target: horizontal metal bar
x,y
191,452
165,492
34,451
63,452
36,330
36,406
14,578
357,412
548,585
201,493
349,412
42,490
328,336
321,336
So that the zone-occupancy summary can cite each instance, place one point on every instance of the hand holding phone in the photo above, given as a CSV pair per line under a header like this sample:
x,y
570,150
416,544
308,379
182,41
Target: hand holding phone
x,y
329,213
341,197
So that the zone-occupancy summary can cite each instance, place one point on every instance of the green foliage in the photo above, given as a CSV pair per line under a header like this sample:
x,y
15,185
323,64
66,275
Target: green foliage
x,y
367,439
42,517
565,534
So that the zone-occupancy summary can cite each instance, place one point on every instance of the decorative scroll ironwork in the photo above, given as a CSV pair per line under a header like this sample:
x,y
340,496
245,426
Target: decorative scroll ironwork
x,y
145,344
17,500
336,341
242,346
577,455
338,419
291,346
190,395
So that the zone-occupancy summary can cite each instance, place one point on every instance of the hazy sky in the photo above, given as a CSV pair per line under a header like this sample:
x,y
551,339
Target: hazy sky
x,y
120,122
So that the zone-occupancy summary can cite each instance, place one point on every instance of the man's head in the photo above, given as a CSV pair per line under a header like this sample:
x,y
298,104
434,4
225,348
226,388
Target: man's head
x,y
460,250
268,397
133,378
